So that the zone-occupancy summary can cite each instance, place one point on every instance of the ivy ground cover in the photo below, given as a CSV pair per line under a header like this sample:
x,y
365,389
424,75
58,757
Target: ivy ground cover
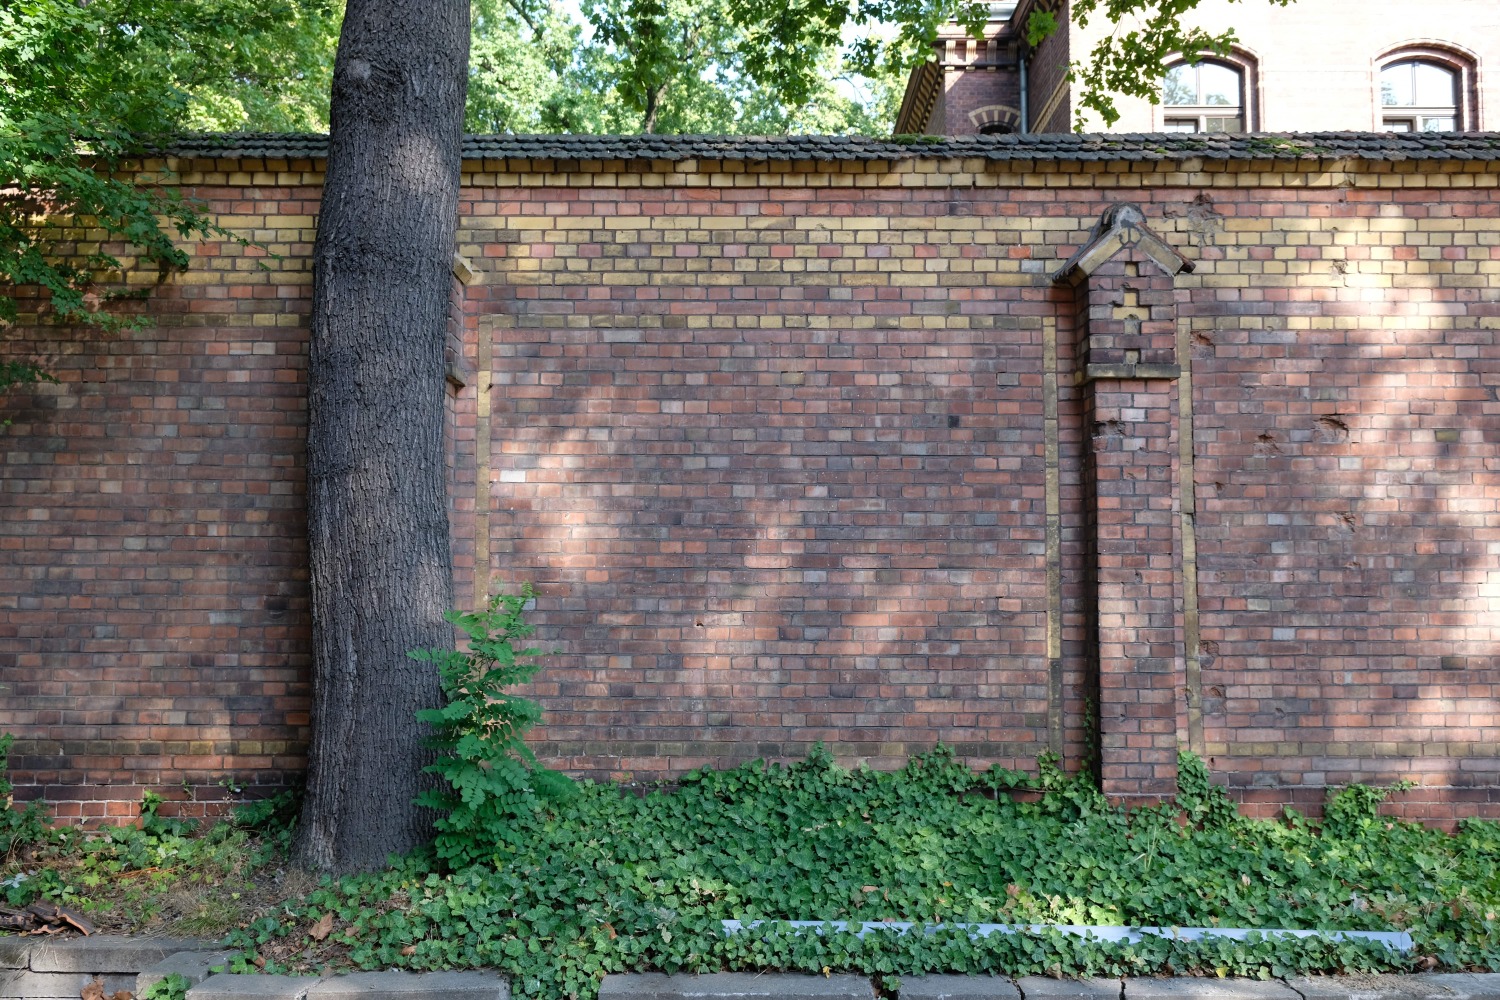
x,y
610,882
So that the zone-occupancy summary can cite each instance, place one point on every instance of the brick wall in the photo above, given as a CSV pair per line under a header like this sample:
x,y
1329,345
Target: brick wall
x,y
1048,99
153,609
774,459
992,93
1346,376
796,452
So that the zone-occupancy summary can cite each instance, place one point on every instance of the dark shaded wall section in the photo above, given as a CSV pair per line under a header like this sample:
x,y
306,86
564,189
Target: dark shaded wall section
x,y
153,602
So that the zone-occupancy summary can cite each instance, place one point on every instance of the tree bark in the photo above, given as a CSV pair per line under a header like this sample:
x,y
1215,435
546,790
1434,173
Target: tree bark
x,y
653,107
376,483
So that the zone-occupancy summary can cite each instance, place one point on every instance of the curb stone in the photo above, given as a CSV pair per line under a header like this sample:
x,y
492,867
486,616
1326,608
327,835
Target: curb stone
x,y
356,986
15,952
735,985
108,954
33,968
19,984
1204,988
194,966
234,986
1423,986
1044,988
58,970
412,986
957,988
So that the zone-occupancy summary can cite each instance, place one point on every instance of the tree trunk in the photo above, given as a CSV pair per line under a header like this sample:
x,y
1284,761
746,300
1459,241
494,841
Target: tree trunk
x,y
377,498
653,107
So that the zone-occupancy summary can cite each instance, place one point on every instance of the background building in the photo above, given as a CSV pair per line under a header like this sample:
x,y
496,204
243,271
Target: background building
x,y
1312,66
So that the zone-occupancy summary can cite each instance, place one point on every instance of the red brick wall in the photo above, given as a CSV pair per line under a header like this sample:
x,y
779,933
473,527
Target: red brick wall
x,y
774,461
797,453
1048,104
153,606
1346,374
971,90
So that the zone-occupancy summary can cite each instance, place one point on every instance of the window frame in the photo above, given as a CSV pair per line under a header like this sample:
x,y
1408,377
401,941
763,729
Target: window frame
x,y
1444,56
1238,61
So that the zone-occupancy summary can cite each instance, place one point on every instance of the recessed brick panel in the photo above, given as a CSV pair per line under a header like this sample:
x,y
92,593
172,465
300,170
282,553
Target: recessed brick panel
x,y
775,463
1346,372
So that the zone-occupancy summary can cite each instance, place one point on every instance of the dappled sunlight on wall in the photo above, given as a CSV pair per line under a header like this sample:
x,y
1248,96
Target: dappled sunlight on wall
x,y
782,486
153,581
799,450
1349,499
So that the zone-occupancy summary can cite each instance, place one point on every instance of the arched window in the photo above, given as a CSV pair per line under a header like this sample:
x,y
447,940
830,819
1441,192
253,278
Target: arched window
x,y
1420,95
995,119
1206,96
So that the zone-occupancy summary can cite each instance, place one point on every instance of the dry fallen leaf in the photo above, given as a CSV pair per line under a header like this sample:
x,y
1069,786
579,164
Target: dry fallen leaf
x,y
94,990
123,995
322,928
409,950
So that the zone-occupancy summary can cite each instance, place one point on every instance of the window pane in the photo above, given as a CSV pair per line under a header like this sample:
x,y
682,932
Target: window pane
x,y
1396,86
1180,85
1435,86
1437,125
1398,125
1222,125
1221,85
1181,125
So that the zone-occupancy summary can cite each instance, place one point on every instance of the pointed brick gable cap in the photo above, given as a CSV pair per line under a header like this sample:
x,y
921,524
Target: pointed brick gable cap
x,y
1121,227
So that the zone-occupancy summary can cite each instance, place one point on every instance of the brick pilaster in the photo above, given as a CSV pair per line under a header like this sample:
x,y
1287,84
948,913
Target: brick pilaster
x,y
1127,369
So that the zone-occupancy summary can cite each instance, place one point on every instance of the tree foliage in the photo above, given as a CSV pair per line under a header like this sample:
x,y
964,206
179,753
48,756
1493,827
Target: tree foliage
x,y
520,57
1128,61
674,66
682,66
84,86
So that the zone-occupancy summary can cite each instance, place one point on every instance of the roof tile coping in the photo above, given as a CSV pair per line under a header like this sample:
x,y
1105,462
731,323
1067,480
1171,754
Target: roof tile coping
x,y
1059,147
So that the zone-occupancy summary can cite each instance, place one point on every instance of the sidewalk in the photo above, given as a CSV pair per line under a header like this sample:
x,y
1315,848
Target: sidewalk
x,y
33,968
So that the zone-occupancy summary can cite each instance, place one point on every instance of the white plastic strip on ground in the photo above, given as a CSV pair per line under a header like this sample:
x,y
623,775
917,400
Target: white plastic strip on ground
x,y
1393,940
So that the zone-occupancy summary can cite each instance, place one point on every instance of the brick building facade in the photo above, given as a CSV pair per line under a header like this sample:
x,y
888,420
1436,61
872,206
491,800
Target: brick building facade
x,y
1311,66
1022,443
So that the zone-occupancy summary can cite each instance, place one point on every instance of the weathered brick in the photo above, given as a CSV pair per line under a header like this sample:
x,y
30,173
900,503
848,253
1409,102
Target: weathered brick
x,y
772,497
